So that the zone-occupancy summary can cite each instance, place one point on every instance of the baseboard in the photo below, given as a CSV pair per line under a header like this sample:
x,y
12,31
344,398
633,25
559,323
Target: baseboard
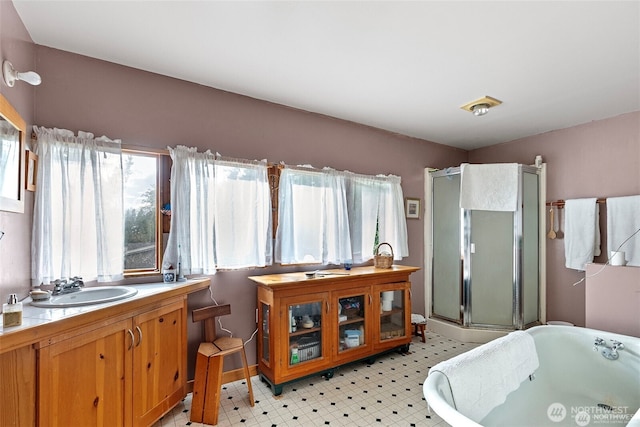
x,y
229,376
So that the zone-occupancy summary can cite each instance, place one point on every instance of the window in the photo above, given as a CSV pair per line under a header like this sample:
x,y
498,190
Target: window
x,y
141,211
97,208
242,221
221,213
98,213
331,217
313,226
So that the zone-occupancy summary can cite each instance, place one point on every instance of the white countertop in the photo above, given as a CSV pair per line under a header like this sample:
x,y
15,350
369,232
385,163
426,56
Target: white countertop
x,y
33,316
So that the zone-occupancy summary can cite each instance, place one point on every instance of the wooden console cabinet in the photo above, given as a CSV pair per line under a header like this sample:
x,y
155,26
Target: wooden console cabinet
x,y
310,326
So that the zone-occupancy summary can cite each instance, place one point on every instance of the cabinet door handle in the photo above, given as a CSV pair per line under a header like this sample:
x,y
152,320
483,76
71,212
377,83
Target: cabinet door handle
x,y
370,299
327,304
130,332
139,335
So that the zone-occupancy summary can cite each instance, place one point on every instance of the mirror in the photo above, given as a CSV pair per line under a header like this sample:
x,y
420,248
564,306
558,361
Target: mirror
x,y
12,153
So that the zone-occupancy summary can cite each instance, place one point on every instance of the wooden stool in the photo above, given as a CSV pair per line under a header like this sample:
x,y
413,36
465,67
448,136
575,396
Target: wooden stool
x,y
419,329
205,405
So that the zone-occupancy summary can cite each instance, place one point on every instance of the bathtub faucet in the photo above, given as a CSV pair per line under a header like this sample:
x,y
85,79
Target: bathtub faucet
x,y
607,352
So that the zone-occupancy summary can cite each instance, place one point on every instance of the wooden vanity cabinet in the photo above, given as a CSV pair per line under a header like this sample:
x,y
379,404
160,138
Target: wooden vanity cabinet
x,y
18,387
338,318
83,378
124,371
159,362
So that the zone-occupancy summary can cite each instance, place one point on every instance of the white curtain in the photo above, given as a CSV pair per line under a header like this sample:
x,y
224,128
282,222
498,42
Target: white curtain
x,y
331,217
220,213
313,223
192,208
392,225
336,221
78,227
376,207
243,231
363,197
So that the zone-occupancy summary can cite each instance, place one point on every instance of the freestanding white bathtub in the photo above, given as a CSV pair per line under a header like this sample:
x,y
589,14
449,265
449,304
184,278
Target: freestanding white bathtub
x,y
573,385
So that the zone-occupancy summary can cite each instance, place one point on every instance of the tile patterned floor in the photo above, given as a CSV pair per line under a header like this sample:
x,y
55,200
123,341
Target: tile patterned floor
x,y
385,393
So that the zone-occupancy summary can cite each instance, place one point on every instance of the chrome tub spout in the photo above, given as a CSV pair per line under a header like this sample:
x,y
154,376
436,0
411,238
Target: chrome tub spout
x,y
608,352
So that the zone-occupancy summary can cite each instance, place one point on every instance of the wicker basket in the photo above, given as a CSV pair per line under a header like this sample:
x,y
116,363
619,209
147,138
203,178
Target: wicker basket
x,y
384,260
308,349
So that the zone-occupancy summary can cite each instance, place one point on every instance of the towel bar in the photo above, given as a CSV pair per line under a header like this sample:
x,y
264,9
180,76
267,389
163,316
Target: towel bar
x,y
560,203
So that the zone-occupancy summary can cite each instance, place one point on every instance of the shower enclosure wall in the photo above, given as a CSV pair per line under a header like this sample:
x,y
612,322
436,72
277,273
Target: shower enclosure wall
x,y
486,266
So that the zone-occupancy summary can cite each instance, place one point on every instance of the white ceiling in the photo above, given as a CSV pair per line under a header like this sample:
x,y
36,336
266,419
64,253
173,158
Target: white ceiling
x,y
406,67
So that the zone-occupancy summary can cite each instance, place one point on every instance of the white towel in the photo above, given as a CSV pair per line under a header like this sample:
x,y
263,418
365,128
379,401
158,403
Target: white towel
x,y
635,420
623,219
581,232
417,318
490,187
481,379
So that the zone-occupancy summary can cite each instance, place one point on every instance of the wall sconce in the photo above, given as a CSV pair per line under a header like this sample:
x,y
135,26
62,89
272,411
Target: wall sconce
x,y
10,75
481,106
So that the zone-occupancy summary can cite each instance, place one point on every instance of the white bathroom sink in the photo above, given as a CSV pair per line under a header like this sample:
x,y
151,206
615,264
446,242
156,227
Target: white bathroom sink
x,y
88,296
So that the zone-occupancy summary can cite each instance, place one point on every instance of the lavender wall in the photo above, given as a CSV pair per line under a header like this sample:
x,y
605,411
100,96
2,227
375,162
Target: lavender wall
x,y
597,159
612,302
145,109
79,93
17,47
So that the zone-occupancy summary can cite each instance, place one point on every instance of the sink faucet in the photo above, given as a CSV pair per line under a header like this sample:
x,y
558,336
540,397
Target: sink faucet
x,y
62,286
607,352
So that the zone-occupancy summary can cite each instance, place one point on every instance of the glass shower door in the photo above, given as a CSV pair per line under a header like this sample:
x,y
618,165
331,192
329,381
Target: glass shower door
x,y
447,258
490,281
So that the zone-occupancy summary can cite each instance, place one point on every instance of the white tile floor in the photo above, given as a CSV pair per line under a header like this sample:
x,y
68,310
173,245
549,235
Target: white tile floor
x,y
385,393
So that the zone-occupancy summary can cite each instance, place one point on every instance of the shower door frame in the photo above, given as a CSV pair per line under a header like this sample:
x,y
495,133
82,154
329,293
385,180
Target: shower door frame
x,y
465,247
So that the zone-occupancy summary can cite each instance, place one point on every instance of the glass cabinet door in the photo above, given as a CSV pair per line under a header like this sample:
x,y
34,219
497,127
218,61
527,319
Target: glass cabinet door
x,y
304,323
352,324
392,314
265,350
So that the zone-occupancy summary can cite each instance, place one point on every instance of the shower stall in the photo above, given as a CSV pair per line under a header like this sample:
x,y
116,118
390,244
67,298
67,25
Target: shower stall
x,y
486,267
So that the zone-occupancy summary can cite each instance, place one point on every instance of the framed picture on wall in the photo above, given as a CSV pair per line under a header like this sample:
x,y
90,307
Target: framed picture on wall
x,y
31,170
412,208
